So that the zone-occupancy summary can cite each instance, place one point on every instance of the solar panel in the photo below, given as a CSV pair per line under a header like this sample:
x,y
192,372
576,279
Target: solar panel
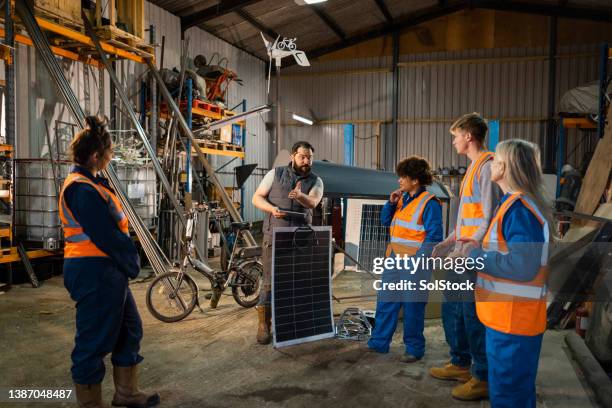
x,y
366,237
301,285
373,236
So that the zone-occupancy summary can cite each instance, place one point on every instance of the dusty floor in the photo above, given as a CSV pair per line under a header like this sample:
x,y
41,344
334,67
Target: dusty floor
x,y
211,360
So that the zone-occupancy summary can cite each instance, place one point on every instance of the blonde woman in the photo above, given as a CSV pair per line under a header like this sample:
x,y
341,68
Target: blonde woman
x,y
511,289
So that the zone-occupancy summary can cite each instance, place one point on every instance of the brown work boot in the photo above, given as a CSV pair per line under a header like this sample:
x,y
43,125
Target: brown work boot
x,y
89,395
127,393
472,390
451,372
263,327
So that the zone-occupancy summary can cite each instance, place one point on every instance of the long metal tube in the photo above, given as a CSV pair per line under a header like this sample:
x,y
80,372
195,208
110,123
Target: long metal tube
x,y
218,124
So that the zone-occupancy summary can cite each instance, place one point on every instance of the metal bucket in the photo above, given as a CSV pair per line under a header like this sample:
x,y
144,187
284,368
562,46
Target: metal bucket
x,y
36,215
139,183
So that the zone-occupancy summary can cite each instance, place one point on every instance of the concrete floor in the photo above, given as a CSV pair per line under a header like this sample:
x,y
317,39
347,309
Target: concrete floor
x,y
211,360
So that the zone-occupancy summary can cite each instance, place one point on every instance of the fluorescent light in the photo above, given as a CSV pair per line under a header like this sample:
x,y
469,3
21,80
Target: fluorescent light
x,y
302,119
314,1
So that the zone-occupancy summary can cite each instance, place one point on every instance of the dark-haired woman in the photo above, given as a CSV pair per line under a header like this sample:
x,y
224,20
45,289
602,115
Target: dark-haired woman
x,y
414,216
99,258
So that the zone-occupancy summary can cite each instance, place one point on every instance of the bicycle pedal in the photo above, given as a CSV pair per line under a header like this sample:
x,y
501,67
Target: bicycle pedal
x,y
208,296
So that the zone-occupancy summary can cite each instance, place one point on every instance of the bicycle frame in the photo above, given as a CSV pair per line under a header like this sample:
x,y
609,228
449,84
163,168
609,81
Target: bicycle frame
x,y
203,267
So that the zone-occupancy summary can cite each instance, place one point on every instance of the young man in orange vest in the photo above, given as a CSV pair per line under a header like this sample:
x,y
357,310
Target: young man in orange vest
x,y
478,197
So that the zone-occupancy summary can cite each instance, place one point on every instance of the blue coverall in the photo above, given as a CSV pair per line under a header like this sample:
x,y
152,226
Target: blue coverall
x,y
387,312
513,359
107,320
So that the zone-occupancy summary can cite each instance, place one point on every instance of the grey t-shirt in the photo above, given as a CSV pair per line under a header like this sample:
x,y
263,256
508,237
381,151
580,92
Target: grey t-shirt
x,y
266,185
490,194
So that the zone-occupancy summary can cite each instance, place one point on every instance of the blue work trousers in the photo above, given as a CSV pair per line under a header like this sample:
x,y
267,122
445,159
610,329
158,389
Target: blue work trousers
x,y
107,320
465,335
513,366
388,306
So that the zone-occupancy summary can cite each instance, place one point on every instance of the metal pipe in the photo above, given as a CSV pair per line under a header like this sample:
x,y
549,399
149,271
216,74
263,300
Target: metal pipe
x,y
153,118
218,124
549,153
603,91
391,142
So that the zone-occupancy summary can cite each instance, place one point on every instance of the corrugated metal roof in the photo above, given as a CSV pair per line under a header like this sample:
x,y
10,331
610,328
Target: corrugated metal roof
x,y
352,17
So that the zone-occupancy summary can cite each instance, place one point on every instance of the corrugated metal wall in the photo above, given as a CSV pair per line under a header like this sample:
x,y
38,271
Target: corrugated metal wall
x,y
37,99
510,85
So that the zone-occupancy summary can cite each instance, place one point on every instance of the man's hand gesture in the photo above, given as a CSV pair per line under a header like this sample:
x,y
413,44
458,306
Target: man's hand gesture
x,y
296,193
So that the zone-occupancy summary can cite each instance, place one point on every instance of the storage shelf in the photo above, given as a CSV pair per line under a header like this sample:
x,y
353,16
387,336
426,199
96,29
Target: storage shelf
x,y
579,123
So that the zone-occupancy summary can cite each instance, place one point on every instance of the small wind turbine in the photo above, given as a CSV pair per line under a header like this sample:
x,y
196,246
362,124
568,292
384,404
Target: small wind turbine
x,y
278,50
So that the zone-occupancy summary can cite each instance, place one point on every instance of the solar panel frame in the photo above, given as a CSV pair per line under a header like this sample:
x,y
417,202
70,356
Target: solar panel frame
x,y
373,236
354,233
326,231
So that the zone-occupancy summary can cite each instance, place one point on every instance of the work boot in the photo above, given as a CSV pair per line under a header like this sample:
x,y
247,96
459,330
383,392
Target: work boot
x,y
409,358
473,390
127,393
451,372
89,395
263,328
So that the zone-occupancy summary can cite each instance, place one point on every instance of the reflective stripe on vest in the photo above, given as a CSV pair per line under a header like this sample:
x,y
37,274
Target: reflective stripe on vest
x,y
407,229
470,205
78,243
506,305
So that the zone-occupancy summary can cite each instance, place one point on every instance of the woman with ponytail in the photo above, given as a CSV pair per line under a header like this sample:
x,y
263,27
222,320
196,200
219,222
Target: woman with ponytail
x,y
511,288
99,258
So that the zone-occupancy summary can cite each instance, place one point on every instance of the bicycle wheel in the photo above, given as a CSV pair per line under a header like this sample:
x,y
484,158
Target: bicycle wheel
x,y
172,296
248,284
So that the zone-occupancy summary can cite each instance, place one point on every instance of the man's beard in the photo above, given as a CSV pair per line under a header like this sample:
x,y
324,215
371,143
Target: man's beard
x,y
305,169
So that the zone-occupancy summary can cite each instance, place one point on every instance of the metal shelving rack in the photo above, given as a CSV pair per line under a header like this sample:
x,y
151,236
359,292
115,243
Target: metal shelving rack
x,y
586,123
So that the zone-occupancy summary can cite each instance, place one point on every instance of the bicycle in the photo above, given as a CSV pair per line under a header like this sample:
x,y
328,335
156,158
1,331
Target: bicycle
x,y
172,296
287,43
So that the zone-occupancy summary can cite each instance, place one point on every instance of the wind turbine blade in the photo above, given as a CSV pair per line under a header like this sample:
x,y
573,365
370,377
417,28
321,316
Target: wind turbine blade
x,y
301,58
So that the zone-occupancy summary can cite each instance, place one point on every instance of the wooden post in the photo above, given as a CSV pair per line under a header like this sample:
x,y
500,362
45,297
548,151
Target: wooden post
x,y
112,12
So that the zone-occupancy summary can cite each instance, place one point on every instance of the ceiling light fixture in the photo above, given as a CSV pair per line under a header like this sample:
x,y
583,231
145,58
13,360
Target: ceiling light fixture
x,y
304,2
302,119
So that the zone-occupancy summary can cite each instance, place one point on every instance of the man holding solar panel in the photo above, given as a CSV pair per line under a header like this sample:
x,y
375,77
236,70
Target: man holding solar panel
x,y
288,195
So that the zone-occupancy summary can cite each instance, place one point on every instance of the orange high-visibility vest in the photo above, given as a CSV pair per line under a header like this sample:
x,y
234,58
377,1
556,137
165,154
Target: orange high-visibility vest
x,y
78,244
507,305
407,229
470,204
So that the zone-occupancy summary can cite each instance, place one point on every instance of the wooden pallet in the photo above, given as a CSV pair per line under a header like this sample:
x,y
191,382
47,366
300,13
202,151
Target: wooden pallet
x,y
65,12
211,144
123,39
230,147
